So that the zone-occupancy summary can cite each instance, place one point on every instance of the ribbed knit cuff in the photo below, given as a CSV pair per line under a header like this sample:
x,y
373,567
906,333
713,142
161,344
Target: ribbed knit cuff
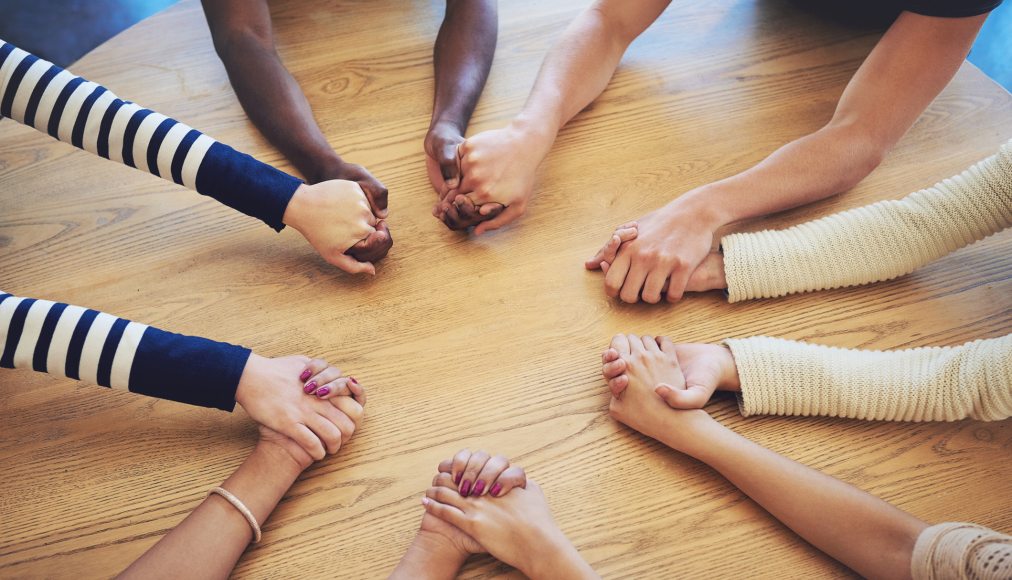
x,y
961,550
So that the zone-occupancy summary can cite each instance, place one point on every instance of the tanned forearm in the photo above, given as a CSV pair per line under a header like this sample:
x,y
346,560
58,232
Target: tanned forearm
x,y
870,536
463,57
209,542
580,65
271,97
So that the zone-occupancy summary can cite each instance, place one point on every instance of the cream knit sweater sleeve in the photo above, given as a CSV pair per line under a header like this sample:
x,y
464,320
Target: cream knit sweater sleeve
x,y
963,551
876,242
783,377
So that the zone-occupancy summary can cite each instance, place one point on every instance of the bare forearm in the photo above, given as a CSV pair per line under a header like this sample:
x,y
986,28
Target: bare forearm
x,y
463,57
209,542
816,166
867,534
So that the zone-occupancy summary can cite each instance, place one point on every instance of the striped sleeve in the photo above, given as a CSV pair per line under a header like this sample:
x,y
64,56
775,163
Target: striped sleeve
x,y
89,116
99,348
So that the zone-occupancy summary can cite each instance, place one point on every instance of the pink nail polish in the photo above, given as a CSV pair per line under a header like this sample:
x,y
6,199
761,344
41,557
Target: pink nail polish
x,y
479,486
352,379
456,479
309,387
305,375
323,392
465,488
495,490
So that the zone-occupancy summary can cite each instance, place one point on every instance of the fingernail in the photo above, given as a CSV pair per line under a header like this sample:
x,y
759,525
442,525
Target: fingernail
x,y
323,392
495,490
309,387
465,488
479,487
305,375
425,500
456,480
352,379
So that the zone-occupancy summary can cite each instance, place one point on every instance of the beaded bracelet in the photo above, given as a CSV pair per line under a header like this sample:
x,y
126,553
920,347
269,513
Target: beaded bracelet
x,y
242,510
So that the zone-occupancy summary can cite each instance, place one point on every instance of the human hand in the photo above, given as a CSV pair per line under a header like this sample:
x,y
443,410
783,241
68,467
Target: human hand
x,y
652,370
286,446
375,191
478,472
517,528
271,393
706,368
498,168
441,161
336,218
660,253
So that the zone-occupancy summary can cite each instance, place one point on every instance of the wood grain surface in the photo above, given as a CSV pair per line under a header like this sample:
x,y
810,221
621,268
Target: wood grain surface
x,y
489,343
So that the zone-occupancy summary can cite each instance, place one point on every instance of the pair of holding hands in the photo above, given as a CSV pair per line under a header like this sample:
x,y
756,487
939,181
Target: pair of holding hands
x,y
659,388
480,181
307,406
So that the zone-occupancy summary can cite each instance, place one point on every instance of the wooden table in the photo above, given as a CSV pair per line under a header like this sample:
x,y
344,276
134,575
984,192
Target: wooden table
x,y
490,343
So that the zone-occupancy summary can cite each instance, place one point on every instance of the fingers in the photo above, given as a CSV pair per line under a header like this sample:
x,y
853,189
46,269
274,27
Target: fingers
x,y
605,254
343,422
357,391
449,165
615,277
309,442
434,503
618,384
351,408
667,347
654,284
491,209
676,286
512,478
620,343
446,466
630,293
375,246
491,471
443,480
613,369
470,475
458,464
694,397
650,344
327,431
351,265
508,215
321,378
312,368
635,343
337,388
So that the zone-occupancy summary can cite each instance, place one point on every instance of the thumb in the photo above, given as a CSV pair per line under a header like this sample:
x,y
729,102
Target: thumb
x,y
694,397
353,266
448,165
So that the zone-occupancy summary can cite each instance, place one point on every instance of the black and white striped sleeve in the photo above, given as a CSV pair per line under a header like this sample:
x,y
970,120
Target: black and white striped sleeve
x,y
99,348
87,115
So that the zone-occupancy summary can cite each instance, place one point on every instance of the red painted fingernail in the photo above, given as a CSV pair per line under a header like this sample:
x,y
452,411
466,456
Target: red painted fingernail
x,y
479,487
305,374
456,479
309,387
465,488
352,379
495,490
323,392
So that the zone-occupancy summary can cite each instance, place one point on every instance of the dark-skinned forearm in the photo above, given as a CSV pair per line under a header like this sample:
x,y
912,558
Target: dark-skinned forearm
x,y
462,59
268,93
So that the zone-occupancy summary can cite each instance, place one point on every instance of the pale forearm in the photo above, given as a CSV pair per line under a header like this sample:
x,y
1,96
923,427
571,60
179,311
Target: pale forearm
x,y
863,532
209,542
816,166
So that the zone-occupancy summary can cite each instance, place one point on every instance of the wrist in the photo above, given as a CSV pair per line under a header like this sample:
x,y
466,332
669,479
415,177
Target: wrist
x,y
552,556
253,367
688,431
436,555
535,132
275,455
706,206
445,125
729,379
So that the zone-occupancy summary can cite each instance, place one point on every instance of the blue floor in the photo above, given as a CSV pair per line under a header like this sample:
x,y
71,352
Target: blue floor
x,y
64,30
